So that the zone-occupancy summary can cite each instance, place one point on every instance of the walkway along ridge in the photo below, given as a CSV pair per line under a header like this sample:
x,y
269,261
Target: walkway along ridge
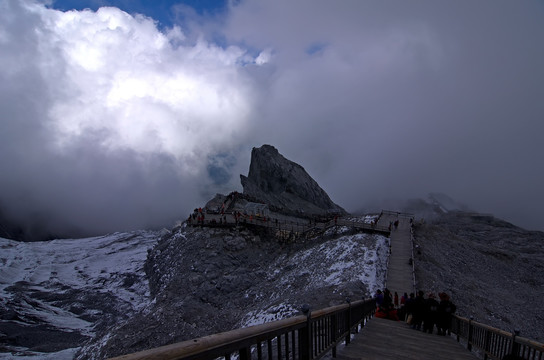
x,y
388,339
400,270
296,228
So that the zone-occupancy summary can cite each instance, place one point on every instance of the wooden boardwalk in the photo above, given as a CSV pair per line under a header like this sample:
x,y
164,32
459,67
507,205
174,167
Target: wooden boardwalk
x,y
388,339
399,272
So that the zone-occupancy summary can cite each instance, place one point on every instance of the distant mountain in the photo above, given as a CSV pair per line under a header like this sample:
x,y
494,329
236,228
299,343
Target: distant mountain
x,y
34,229
444,203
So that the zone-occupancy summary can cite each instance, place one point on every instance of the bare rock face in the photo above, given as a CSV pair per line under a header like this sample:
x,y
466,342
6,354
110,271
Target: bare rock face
x,y
285,185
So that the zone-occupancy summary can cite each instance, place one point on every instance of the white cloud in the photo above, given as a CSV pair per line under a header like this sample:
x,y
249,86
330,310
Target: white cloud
x,y
126,78
264,57
375,100
97,89
397,99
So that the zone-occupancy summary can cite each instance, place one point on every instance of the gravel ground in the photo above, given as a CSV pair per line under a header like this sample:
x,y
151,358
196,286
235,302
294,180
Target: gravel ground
x,y
493,270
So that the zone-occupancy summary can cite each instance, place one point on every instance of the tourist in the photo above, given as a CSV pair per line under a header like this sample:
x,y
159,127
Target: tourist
x,y
387,297
409,309
379,298
387,312
418,310
446,309
431,313
404,299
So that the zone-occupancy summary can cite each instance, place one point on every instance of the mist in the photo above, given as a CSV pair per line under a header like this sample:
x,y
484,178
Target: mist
x,y
108,123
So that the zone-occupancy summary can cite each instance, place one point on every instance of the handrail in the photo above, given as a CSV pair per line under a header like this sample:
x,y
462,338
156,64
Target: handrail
x,y
412,240
304,337
495,343
293,226
398,213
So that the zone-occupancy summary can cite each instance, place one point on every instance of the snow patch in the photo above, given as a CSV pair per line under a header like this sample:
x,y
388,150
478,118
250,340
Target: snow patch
x,y
360,259
38,279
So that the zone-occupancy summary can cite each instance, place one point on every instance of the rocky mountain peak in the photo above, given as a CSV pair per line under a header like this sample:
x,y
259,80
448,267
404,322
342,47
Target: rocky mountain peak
x,y
285,184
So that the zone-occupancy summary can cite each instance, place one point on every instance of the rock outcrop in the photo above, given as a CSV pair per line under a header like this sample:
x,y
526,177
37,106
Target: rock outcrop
x,y
285,185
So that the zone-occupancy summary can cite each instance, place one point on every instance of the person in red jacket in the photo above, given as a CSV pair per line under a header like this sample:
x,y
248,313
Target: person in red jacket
x,y
387,312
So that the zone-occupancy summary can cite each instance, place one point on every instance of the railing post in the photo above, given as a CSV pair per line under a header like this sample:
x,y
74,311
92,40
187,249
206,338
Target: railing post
x,y
470,331
487,344
348,320
514,350
305,335
245,353
334,330
367,310
458,328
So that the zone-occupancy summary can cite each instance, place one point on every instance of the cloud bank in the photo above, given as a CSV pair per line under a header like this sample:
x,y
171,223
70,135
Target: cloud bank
x,y
392,99
108,123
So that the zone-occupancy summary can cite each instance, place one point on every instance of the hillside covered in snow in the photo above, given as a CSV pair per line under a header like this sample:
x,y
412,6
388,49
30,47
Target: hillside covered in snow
x,y
55,295
124,292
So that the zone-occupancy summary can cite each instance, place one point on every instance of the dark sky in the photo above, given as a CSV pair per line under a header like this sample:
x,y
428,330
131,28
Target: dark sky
x,y
110,120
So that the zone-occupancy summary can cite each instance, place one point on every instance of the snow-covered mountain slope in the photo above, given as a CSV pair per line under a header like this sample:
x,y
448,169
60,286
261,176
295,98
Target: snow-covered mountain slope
x,y
98,297
243,278
356,261
57,294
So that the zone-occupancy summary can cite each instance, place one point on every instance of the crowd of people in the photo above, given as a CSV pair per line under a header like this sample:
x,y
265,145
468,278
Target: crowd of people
x,y
420,312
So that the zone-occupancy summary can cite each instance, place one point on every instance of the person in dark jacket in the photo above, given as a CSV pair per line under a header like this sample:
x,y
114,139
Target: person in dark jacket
x,y
431,313
379,298
409,309
418,310
387,297
446,309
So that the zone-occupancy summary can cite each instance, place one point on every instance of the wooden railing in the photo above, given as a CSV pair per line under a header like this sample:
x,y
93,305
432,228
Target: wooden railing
x,y
308,336
495,343
397,213
412,259
285,225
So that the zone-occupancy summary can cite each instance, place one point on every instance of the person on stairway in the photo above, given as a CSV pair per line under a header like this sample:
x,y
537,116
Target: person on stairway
x,y
418,310
446,309
431,313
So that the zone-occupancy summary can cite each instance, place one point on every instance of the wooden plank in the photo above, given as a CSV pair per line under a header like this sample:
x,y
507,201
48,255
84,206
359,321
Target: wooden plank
x,y
399,272
387,339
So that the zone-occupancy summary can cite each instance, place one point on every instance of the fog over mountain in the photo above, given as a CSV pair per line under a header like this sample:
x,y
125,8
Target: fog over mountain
x,y
99,297
111,121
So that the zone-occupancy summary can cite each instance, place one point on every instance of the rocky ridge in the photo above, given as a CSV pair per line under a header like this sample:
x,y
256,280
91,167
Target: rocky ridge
x,y
242,279
285,185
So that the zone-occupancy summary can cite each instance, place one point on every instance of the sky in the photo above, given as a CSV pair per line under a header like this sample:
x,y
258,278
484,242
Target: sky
x,y
119,115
